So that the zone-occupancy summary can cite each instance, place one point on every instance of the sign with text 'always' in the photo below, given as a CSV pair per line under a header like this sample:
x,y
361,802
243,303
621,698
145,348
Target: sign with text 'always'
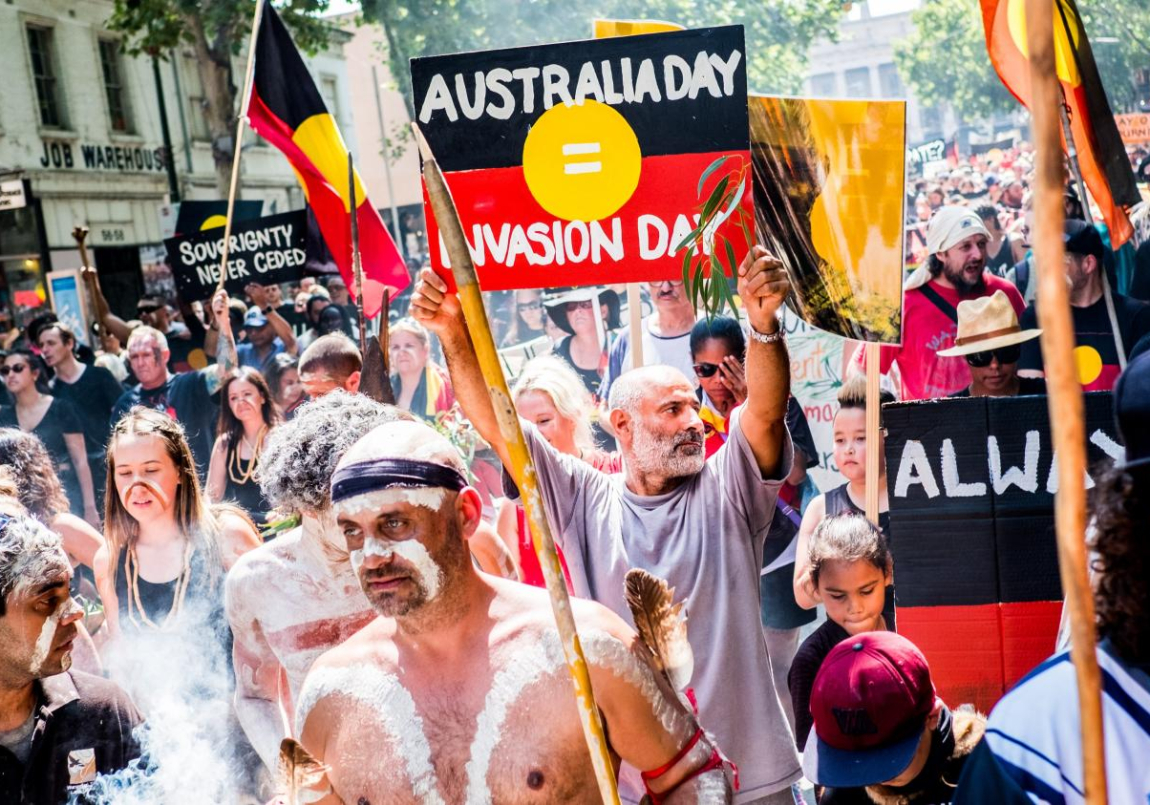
x,y
579,163
266,251
972,485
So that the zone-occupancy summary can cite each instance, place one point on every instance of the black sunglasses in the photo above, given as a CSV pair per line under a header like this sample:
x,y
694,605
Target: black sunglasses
x,y
706,369
1005,355
16,368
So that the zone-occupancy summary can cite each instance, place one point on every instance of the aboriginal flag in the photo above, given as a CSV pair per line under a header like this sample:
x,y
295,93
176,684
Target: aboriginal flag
x,y
286,109
1101,154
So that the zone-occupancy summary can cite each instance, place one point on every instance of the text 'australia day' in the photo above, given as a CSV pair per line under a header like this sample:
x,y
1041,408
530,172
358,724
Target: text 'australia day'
x,y
500,92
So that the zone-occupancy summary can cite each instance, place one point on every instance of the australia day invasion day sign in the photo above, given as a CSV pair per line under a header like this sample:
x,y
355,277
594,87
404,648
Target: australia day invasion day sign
x,y
267,251
579,163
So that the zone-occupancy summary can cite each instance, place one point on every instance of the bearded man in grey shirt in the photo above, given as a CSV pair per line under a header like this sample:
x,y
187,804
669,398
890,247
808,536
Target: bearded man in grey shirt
x,y
698,524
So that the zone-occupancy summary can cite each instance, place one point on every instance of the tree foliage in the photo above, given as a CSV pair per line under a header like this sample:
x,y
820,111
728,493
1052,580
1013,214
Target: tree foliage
x,y
216,30
779,32
944,61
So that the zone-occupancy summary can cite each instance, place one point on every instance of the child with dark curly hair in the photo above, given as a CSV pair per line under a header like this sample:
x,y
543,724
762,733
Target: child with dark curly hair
x,y
1033,746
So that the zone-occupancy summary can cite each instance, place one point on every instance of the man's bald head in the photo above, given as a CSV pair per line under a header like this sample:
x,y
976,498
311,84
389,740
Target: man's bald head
x,y
404,439
650,382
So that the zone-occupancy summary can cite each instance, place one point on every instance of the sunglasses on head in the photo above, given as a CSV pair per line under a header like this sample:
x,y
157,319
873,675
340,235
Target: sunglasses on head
x,y
1004,355
16,368
706,369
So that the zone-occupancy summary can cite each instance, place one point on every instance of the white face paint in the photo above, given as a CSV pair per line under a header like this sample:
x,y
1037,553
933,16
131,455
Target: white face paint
x,y
430,574
429,497
394,707
44,642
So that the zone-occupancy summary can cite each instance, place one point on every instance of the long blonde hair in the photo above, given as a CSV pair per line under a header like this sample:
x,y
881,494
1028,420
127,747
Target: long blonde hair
x,y
195,520
552,376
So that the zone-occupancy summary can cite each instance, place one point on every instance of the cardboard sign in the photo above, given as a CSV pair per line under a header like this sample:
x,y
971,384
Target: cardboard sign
x,y
829,193
579,163
267,251
1133,129
971,484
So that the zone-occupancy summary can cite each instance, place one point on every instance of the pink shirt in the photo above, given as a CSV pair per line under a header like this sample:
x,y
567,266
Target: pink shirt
x,y
925,331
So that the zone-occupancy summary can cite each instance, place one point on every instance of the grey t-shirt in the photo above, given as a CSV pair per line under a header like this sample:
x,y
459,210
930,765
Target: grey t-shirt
x,y
18,741
706,540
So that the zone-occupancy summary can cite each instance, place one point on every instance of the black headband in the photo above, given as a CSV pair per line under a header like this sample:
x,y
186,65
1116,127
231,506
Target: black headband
x,y
382,473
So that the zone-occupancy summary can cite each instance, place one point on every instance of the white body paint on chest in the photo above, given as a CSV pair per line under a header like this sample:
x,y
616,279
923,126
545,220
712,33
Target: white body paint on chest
x,y
395,709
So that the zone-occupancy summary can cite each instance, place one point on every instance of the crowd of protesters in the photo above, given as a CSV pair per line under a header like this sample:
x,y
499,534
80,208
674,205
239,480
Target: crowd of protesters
x,y
195,511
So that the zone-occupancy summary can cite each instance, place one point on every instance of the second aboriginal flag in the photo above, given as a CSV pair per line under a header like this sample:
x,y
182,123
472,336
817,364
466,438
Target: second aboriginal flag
x,y
286,109
1101,154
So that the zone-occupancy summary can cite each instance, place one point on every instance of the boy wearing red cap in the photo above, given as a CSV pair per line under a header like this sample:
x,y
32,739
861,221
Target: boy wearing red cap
x,y
882,735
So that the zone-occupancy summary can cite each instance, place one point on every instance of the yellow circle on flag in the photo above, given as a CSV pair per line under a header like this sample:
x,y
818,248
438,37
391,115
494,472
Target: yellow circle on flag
x,y
1064,45
582,162
213,221
1089,364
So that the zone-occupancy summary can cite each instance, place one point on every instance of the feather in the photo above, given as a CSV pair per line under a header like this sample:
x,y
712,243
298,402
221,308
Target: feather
x,y
301,775
662,626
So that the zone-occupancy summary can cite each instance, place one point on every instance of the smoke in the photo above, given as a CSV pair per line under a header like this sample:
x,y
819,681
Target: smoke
x,y
182,683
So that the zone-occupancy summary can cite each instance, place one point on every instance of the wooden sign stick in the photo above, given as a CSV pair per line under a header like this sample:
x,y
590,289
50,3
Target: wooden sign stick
x,y
635,315
1064,392
249,74
356,265
873,376
522,469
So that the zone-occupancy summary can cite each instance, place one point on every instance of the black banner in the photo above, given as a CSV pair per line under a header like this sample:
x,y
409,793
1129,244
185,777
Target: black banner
x,y
971,484
266,251
674,89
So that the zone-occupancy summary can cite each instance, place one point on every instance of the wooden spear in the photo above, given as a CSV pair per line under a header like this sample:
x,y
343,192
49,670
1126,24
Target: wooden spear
x,y
522,469
1064,392
249,73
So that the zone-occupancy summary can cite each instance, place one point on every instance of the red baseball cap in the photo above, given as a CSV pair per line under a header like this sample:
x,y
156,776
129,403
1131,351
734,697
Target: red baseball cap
x,y
870,702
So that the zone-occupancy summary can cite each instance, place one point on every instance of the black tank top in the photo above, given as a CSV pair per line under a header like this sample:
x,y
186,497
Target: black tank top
x,y
838,501
246,495
157,598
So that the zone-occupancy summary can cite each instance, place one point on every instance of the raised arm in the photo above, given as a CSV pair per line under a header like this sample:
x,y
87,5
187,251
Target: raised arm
x,y
116,326
259,296
226,358
763,286
439,311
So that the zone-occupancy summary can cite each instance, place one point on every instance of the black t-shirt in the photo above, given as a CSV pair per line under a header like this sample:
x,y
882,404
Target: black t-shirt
x,y
187,399
592,378
93,395
1096,353
1027,387
804,667
186,346
60,419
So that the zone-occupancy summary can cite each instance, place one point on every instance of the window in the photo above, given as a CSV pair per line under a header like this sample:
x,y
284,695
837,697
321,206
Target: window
x,y
114,85
823,85
889,84
329,91
44,77
194,92
931,120
858,82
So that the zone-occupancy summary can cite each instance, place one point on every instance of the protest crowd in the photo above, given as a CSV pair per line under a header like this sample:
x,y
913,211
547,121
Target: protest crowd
x,y
259,547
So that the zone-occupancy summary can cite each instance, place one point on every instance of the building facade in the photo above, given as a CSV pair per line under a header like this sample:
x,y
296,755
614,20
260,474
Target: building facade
x,y
80,135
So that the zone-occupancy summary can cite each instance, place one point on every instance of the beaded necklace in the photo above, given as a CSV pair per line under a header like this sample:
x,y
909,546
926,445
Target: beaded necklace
x,y
132,571
236,470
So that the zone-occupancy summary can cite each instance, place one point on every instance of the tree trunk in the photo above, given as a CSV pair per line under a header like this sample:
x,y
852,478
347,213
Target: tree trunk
x,y
220,103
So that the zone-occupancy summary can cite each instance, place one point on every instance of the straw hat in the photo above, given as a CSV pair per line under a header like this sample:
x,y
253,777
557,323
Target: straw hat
x,y
987,323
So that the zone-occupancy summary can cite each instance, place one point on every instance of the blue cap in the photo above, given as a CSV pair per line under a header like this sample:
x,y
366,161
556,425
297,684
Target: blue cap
x,y
255,318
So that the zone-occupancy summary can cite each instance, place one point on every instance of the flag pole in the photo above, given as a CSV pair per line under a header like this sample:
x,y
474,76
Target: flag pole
x,y
873,377
245,99
356,265
522,469
1064,391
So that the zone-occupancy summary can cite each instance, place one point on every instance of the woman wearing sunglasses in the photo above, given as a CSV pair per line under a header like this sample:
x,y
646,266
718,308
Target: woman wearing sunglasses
x,y
585,347
990,339
55,422
527,320
717,350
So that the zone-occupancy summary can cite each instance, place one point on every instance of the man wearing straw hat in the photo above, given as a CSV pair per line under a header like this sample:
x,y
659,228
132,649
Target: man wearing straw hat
x,y
954,272
459,692
990,340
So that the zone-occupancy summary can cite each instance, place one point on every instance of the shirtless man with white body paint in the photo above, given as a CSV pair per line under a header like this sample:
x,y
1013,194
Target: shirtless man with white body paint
x,y
57,728
297,596
459,693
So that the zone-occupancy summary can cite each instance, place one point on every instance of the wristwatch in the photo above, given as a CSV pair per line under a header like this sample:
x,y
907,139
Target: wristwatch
x,y
767,338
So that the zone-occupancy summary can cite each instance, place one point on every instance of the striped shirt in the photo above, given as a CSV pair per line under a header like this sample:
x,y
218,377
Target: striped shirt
x,y
1032,752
